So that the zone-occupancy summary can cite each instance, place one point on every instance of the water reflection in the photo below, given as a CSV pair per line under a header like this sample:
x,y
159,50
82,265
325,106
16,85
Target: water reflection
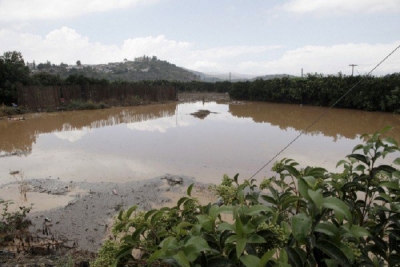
x,y
123,144
337,123
18,136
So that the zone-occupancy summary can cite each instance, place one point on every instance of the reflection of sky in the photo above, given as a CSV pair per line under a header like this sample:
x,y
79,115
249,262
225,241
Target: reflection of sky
x,y
176,143
73,135
158,125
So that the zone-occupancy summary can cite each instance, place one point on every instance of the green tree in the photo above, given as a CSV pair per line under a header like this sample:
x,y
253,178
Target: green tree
x,y
12,72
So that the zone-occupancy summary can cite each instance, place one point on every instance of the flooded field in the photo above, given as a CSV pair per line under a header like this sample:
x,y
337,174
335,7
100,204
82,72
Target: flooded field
x,y
137,143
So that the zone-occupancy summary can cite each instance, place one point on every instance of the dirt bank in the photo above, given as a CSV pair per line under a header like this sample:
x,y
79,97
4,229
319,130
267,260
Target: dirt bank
x,y
83,223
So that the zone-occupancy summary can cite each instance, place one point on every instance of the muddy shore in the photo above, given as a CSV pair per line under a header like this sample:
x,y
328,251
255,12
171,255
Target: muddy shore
x,y
84,222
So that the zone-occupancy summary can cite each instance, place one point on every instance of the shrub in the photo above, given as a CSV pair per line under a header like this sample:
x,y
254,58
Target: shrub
x,y
299,217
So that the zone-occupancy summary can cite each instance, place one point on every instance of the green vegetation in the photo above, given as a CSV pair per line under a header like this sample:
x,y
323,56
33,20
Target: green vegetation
x,y
13,224
12,72
371,94
300,217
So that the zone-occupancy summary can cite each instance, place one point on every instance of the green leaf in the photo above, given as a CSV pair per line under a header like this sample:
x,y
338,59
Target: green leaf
x,y
390,140
385,168
342,162
289,200
199,243
130,210
250,260
269,199
315,172
357,147
181,201
255,239
303,188
184,224
396,161
311,181
240,245
256,209
294,257
149,213
170,243
391,185
396,174
226,209
316,197
292,170
359,157
327,228
206,222
239,228
156,255
338,206
124,251
266,257
235,178
301,227
120,215
384,197
225,226
181,259
358,231
157,215
189,190
214,211
386,129
333,251
231,239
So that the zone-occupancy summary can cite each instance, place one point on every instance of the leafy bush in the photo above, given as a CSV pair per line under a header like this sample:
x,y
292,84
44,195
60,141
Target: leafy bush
x,y
300,217
13,224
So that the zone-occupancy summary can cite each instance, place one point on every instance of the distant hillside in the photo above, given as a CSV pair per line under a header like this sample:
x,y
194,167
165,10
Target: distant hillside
x,y
272,76
142,68
219,77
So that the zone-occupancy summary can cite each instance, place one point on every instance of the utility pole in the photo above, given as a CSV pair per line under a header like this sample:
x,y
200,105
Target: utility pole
x,y
352,68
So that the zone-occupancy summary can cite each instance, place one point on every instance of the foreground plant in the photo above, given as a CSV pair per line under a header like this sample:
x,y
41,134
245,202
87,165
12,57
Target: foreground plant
x,y
300,217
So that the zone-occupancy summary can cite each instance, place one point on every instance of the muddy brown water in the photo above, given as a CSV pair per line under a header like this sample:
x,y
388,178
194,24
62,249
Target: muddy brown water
x,y
137,143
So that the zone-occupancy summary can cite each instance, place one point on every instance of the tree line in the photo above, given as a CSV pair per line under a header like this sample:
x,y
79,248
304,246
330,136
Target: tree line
x,y
371,93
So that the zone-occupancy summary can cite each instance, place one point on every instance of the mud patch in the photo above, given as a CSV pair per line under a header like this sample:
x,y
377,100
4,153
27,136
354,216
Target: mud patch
x,y
202,113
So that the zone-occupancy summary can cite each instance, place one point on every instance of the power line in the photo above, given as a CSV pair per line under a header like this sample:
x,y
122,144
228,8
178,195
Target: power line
x,y
326,112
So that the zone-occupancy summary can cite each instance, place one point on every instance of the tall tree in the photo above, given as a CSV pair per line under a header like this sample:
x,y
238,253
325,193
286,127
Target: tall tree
x,y
12,72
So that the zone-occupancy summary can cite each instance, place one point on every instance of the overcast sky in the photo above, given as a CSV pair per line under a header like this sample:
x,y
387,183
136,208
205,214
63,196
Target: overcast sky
x,y
256,37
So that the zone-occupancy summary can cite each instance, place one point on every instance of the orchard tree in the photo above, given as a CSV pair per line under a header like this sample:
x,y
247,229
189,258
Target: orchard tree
x,y
12,72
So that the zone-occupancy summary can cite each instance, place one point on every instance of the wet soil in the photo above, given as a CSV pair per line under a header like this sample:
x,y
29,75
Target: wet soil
x,y
77,229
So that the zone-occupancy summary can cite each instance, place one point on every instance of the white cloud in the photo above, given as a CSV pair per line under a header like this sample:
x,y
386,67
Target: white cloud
x,y
331,60
66,45
25,10
324,7
74,47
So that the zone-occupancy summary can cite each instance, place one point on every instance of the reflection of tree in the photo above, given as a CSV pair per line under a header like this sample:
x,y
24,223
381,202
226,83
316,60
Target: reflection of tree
x,y
18,136
337,122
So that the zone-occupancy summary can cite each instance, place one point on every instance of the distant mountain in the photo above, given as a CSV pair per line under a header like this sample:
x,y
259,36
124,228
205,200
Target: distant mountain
x,y
142,68
272,76
219,77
